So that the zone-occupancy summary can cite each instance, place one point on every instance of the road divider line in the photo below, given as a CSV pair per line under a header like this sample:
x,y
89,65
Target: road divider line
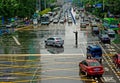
x,y
18,43
108,62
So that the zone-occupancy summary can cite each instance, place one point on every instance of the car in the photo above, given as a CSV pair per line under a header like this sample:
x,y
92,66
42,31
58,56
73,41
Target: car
x,y
95,30
93,23
116,60
91,67
97,19
111,33
51,20
95,52
83,25
69,20
54,41
62,20
55,20
77,16
104,38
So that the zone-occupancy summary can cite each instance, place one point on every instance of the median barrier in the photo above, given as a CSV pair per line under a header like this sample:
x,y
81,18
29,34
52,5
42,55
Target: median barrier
x,y
24,27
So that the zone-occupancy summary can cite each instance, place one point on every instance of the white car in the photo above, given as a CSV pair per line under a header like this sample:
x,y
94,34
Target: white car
x,y
54,41
55,20
62,21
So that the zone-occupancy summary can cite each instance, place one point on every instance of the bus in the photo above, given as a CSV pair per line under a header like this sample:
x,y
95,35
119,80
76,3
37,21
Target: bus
x,y
110,23
45,19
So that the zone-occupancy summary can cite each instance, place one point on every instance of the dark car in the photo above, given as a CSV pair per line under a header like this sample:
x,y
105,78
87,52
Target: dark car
x,y
95,30
91,67
95,52
104,38
116,60
111,33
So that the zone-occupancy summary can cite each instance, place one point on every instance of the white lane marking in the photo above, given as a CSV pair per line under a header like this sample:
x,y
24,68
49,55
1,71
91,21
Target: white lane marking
x,y
116,46
108,62
106,69
109,79
18,43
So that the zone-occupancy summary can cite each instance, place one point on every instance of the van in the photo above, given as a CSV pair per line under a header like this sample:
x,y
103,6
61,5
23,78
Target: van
x,y
95,52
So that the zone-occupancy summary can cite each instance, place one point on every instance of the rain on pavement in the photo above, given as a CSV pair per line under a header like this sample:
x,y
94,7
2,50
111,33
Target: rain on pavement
x,y
26,59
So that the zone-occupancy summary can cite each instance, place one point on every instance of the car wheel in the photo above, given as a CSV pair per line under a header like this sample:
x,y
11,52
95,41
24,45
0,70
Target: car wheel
x,y
47,43
80,71
100,76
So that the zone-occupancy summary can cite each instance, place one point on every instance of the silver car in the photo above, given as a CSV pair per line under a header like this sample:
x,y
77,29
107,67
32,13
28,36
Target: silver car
x,y
54,41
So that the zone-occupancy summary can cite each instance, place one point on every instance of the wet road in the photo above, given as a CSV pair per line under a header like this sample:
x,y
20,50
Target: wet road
x,y
32,41
26,59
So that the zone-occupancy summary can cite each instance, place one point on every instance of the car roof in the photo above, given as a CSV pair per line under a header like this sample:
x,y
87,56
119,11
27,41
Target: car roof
x,y
94,46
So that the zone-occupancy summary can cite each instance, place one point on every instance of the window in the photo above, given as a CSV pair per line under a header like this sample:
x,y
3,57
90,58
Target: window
x,y
85,63
94,64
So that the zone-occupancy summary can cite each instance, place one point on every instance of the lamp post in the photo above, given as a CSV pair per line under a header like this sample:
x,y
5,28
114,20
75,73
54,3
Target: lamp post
x,y
103,5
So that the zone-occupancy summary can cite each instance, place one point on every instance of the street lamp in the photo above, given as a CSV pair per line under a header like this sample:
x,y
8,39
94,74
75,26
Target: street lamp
x,y
103,5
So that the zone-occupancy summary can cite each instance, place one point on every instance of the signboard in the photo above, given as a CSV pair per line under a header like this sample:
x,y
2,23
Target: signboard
x,y
99,5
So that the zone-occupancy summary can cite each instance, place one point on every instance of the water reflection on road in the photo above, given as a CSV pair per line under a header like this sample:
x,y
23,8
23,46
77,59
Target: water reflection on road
x,y
18,69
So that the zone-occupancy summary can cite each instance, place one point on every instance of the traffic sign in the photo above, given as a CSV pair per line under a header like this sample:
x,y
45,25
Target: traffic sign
x,y
99,5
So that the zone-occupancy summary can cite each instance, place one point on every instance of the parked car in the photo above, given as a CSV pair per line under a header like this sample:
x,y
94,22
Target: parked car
x,y
116,60
55,41
95,52
95,30
91,67
104,38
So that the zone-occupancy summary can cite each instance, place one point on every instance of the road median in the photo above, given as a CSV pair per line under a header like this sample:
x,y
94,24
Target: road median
x,y
28,27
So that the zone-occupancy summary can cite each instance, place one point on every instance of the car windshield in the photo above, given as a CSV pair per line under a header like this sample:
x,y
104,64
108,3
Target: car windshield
x,y
94,63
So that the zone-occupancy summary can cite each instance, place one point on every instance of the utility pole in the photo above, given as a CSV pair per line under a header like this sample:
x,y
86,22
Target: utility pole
x,y
45,4
38,5
103,5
